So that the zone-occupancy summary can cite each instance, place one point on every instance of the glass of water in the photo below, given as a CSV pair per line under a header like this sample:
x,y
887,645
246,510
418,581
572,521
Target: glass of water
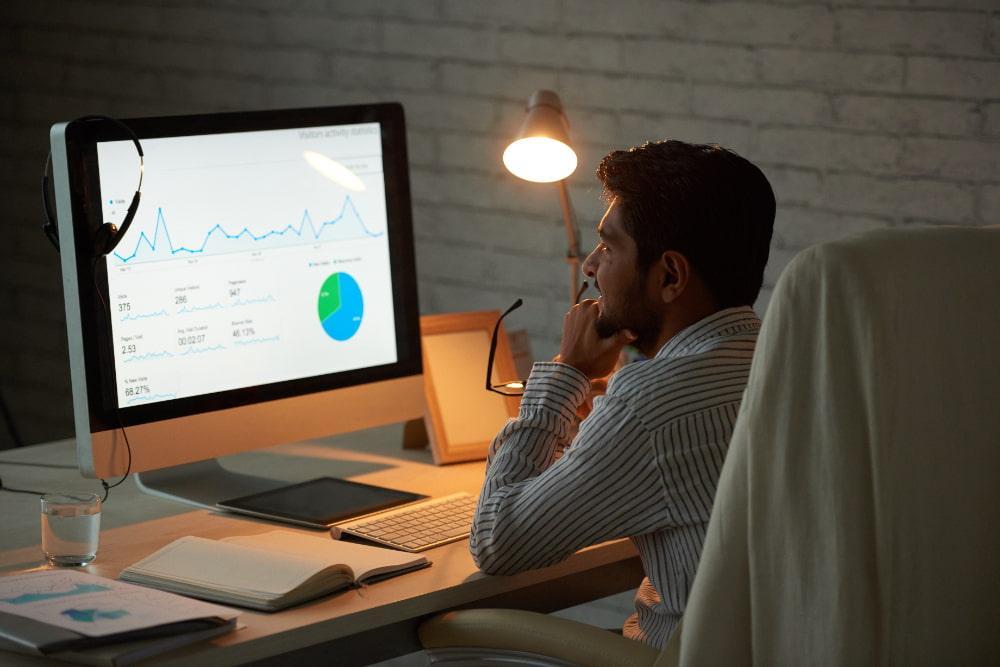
x,y
71,523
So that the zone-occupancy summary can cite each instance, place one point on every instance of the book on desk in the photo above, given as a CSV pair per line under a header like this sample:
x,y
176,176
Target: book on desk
x,y
267,572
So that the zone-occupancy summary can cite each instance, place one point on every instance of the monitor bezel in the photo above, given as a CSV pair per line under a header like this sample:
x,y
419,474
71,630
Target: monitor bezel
x,y
81,140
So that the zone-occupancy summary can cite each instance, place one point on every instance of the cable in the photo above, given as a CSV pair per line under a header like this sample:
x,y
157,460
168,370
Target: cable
x,y
128,468
128,447
12,490
37,465
110,235
8,419
34,465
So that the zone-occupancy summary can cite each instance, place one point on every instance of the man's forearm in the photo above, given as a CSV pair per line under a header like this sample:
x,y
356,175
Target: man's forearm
x,y
546,422
526,447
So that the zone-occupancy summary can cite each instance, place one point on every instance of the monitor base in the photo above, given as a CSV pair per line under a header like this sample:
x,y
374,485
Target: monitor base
x,y
202,484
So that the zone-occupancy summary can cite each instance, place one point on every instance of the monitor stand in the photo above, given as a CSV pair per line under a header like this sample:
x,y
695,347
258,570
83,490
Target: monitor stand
x,y
202,484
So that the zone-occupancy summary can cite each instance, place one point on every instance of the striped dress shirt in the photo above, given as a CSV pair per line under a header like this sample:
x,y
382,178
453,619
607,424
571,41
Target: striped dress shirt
x,y
643,465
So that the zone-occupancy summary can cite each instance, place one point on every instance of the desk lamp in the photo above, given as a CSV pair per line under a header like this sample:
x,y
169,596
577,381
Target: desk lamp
x,y
541,153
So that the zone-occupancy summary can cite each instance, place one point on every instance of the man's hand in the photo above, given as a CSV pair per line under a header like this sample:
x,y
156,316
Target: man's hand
x,y
598,387
583,349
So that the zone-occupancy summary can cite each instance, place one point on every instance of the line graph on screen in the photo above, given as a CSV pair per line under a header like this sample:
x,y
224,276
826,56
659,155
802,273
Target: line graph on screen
x,y
347,225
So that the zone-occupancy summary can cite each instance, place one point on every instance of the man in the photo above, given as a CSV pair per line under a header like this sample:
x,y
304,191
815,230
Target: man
x,y
680,260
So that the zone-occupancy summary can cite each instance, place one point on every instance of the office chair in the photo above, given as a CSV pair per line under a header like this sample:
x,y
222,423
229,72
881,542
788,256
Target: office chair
x,y
856,518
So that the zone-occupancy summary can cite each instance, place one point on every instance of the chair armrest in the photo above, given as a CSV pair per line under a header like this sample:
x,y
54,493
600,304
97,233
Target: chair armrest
x,y
530,632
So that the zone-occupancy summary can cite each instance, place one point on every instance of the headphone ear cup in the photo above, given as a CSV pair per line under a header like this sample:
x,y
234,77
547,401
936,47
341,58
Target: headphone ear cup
x,y
105,239
109,235
49,225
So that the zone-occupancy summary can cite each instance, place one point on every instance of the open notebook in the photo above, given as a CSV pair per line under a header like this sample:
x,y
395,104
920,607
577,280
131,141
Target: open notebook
x,y
270,571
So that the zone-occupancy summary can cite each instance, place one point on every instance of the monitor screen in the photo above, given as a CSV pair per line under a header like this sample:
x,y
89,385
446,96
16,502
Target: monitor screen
x,y
257,258
265,291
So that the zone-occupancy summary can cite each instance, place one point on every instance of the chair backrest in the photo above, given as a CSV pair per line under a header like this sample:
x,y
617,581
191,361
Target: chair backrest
x,y
857,518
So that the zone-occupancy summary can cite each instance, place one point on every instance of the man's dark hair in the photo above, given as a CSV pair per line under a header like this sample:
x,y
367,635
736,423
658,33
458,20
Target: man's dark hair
x,y
704,201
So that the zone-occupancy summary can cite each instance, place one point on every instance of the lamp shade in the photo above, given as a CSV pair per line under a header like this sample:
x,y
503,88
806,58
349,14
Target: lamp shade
x,y
541,152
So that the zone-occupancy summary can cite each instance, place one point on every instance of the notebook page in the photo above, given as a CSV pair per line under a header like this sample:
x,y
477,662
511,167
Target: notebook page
x,y
226,565
360,558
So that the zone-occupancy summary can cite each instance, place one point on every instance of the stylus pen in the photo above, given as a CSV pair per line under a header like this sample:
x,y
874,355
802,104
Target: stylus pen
x,y
583,288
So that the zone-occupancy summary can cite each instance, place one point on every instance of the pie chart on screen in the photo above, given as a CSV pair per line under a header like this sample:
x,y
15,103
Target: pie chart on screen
x,y
340,306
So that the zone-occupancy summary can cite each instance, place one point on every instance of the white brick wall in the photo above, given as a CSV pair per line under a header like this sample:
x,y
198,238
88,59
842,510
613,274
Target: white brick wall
x,y
863,114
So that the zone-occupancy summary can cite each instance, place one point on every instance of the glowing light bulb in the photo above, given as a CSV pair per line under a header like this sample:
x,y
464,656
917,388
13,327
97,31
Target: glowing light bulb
x,y
540,159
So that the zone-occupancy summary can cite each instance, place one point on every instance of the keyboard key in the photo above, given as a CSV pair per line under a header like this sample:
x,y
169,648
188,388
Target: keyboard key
x,y
421,525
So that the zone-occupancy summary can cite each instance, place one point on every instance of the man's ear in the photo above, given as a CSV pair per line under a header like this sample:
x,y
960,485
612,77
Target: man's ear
x,y
674,272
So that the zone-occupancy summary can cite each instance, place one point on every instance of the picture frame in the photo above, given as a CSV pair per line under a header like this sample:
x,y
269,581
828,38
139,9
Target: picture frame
x,y
462,416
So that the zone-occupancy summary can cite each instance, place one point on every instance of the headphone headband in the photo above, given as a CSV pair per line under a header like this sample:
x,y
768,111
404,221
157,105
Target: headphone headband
x,y
107,235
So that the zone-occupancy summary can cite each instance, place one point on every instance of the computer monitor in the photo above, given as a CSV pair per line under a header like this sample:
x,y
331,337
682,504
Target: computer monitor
x,y
265,292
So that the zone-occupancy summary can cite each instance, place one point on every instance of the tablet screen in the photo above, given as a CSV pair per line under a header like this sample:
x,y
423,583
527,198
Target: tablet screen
x,y
320,502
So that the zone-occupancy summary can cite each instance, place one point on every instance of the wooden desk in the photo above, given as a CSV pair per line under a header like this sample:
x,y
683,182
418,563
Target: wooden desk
x,y
351,627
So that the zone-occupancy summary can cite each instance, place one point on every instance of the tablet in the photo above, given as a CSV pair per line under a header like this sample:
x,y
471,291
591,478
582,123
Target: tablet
x,y
319,503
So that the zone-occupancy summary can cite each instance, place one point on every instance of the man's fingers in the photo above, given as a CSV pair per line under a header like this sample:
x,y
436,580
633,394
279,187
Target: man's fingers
x,y
613,343
625,336
598,386
587,305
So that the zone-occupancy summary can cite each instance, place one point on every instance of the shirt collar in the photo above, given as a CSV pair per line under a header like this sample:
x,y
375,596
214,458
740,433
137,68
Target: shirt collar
x,y
725,322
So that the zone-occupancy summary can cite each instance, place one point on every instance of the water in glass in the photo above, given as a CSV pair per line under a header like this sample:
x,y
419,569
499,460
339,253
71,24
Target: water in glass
x,y
70,528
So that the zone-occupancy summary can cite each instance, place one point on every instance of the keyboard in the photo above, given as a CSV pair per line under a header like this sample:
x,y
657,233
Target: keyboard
x,y
415,527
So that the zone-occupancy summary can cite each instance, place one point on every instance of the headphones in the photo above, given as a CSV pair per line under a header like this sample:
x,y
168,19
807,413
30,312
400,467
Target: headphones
x,y
107,236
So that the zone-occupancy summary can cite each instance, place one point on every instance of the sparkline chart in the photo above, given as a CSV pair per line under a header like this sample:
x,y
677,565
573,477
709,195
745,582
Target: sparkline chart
x,y
237,241
160,246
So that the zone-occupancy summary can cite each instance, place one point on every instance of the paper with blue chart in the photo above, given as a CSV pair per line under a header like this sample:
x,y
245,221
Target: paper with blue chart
x,y
95,606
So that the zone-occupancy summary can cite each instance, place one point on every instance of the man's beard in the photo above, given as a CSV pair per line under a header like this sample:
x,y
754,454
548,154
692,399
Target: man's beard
x,y
635,313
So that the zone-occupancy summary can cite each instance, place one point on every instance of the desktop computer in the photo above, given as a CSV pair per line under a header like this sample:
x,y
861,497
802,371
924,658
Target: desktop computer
x,y
264,293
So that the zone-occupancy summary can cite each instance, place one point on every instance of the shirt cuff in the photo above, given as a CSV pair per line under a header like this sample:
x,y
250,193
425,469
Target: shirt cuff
x,y
555,387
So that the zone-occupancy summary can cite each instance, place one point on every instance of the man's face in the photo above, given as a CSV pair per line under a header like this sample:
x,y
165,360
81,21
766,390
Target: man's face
x,y
625,301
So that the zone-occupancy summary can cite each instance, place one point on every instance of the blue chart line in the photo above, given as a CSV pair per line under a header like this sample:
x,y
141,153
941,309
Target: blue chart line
x,y
248,302
146,398
196,309
199,350
147,356
258,341
220,306
244,238
144,316
165,354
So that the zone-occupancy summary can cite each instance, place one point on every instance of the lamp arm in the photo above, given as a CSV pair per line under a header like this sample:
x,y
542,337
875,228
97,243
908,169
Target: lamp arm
x,y
572,240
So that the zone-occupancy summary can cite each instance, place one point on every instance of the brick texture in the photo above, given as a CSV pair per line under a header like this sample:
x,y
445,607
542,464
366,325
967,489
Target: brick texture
x,y
862,115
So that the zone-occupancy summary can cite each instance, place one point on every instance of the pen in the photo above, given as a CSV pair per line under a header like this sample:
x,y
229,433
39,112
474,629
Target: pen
x,y
583,288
